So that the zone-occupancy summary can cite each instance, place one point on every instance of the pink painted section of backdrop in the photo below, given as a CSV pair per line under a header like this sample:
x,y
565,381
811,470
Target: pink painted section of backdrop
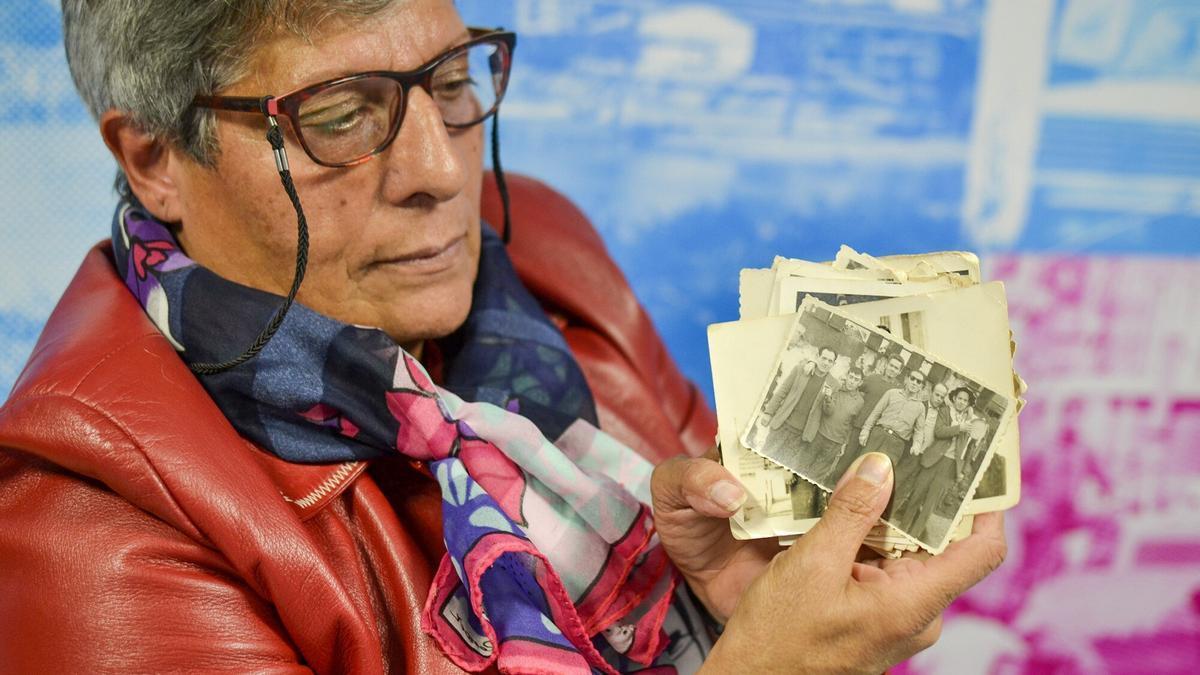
x,y
1103,572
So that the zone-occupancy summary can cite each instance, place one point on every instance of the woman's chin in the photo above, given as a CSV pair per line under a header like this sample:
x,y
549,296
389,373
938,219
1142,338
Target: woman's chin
x,y
420,321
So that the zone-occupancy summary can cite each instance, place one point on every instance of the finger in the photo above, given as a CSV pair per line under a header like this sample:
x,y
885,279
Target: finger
x,y
854,508
869,571
902,573
962,565
989,524
695,483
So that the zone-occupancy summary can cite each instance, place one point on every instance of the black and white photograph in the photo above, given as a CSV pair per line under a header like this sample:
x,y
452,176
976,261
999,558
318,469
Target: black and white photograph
x,y
780,501
908,326
966,326
837,299
825,406
841,292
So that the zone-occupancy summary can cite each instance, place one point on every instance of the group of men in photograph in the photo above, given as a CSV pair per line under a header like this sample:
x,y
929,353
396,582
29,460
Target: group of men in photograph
x,y
814,420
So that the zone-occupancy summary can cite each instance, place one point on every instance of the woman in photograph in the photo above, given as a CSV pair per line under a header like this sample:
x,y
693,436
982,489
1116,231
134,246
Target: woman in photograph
x,y
306,411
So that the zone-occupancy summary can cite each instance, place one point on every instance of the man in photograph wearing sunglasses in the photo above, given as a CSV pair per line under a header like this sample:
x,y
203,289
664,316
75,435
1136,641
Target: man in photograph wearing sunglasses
x,y
896,424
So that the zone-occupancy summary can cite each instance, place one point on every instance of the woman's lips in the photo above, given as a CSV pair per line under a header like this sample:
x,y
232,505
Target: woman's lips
x,y
429,260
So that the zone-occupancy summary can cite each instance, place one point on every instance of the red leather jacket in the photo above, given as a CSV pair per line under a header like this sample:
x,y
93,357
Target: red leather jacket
x,y
139,532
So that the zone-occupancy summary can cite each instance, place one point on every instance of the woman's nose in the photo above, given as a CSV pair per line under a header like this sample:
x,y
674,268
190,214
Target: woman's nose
x,y
424,161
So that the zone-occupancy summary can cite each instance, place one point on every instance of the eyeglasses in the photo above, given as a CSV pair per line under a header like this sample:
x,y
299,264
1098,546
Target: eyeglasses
x,y
914,378
345,121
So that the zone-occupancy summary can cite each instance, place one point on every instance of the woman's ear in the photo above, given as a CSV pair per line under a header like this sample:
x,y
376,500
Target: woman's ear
x,y
146,162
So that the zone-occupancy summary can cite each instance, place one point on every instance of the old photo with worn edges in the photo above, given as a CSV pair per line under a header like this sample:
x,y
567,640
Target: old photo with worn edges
x,y
805,417
963,324
779,503
969,326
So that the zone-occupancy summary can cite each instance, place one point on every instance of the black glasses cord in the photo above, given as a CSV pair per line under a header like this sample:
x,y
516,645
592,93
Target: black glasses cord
x,y
275,138
498,172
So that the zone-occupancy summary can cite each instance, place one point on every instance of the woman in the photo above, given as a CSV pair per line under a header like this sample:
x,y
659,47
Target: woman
x,y
310,499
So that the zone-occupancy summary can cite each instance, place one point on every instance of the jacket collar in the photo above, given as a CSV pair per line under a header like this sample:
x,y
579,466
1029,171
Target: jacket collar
x,y
100,351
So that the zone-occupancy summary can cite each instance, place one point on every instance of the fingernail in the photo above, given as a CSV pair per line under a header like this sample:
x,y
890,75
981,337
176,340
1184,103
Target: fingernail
x,y
727,495
875,468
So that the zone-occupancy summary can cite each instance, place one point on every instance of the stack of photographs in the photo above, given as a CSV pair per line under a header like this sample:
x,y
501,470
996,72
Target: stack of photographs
x,y
906,355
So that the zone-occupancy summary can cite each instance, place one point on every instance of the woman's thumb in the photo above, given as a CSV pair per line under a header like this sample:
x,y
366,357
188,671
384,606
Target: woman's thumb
x,y
854,508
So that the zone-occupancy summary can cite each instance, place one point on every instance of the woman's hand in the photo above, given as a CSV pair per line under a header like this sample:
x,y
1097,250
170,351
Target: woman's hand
x,y
815,608
693,498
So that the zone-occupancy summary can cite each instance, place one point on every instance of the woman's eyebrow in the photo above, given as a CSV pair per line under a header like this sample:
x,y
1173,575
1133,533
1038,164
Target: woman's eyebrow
x,y
461,39
325,75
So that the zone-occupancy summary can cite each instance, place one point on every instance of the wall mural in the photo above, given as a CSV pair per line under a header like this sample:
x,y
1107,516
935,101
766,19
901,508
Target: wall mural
x,y
1058,138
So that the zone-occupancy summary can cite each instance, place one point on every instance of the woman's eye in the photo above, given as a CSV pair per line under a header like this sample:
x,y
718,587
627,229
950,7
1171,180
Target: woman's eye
x,y
333,124
451,88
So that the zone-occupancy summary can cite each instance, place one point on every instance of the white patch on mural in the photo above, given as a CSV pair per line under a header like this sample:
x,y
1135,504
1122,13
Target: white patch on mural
x,y
1147,195
546,17
694,42
1004,129
1148,101
919,6
928,151
656,189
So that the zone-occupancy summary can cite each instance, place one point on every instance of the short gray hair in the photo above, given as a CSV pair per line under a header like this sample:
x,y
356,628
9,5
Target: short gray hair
x,y
150,58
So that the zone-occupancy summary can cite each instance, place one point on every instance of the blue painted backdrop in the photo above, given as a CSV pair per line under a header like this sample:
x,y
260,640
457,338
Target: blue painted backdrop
x,y
703,137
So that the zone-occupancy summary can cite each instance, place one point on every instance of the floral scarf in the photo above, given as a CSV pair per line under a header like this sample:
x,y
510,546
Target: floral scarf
x,y
550,545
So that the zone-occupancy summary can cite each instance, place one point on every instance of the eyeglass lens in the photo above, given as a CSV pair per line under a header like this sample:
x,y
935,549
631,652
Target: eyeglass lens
x,y
352,120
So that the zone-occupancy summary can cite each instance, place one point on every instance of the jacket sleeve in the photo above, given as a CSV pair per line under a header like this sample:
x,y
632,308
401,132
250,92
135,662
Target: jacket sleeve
x,y
919,430
781,392
927,425
943,429
90,583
